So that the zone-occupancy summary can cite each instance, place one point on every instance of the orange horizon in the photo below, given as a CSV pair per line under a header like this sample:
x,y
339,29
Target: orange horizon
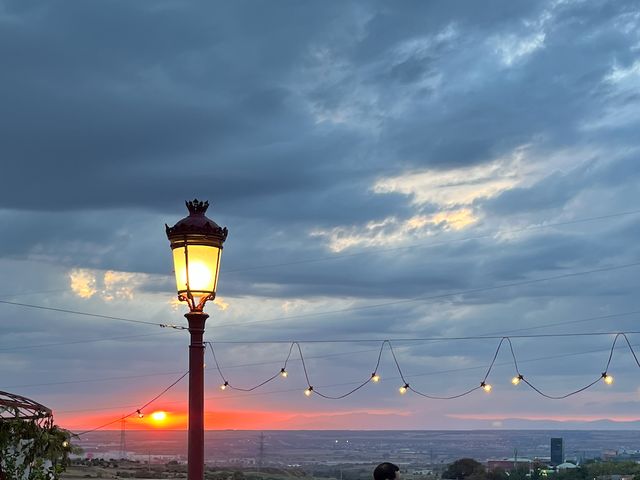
x,y
300,420
215,420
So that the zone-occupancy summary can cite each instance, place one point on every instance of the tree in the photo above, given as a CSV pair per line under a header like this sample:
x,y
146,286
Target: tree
x,y
30,451
464,468
497,474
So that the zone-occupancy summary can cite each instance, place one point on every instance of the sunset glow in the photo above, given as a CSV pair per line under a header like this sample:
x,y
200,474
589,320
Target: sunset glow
x,y
159,416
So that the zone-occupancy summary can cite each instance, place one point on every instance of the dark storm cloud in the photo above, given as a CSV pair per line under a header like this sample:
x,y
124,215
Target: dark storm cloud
x,y
285,115
121,103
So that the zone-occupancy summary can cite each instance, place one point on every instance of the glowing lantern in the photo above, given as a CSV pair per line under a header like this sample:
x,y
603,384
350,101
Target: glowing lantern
x,y
196,242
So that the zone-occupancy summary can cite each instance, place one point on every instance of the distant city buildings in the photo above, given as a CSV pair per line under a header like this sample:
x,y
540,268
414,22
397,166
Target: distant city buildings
x,y
508,464
557,451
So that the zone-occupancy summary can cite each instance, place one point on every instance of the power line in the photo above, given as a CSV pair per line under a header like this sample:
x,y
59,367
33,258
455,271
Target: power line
x,y
569,322
435,244
474,337
96,315
352,340
76,342
439,296
92,380
138,411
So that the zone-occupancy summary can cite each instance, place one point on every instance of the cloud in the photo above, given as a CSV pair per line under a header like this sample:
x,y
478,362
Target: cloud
x,y
83,283
109,285
383,171
392,231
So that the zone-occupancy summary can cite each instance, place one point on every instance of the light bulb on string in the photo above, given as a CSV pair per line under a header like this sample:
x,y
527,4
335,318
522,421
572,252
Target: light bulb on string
x,y
486,387
606,378
284,373
224,385
140,414
403,389
375,377
517,379
308,391
65,444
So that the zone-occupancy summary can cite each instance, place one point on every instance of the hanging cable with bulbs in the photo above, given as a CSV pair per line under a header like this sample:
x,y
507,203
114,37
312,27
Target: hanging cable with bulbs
x,y
484,384
519,377
139,411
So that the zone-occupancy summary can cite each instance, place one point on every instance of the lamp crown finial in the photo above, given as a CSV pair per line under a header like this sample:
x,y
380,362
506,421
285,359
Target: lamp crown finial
x,y
197,207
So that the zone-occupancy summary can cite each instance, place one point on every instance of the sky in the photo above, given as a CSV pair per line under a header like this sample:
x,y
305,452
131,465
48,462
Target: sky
x,y
399,171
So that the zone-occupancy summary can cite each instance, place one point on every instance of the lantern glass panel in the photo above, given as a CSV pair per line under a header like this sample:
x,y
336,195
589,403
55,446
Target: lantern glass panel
x,y
203,264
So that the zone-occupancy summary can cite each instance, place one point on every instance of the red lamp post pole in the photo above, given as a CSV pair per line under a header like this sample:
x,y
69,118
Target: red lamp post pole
x,y
195,456
196,242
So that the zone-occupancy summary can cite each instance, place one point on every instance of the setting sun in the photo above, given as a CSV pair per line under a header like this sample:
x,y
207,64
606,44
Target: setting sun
x,y
159,416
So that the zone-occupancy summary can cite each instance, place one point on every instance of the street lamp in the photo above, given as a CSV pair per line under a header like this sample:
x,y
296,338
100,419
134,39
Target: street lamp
x,y
196,242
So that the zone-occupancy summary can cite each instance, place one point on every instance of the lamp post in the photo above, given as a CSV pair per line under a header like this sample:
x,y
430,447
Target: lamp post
x,y
196,242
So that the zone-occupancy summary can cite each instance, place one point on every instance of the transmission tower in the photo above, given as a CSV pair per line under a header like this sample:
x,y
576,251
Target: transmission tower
x,y
261,452
123,444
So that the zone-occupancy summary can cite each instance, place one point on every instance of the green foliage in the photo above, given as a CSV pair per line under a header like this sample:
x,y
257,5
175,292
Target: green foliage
x,y
613,468
31,452
464,468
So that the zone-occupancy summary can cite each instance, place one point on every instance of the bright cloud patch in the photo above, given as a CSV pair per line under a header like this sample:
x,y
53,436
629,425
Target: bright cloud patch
x,y
392,231
109,285
82,283
455,187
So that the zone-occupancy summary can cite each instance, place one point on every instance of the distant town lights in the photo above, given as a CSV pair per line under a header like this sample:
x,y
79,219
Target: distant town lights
x,y
486,387
606,378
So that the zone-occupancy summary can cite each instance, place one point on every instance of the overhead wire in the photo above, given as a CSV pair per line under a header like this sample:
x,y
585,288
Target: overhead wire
x,y
95,315
138,411
530,227
435,297
435,244
76,342
375,306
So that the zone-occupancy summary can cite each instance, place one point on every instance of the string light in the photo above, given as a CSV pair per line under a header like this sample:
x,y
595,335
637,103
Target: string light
x,y
283,373
606,378
65,444
484,385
